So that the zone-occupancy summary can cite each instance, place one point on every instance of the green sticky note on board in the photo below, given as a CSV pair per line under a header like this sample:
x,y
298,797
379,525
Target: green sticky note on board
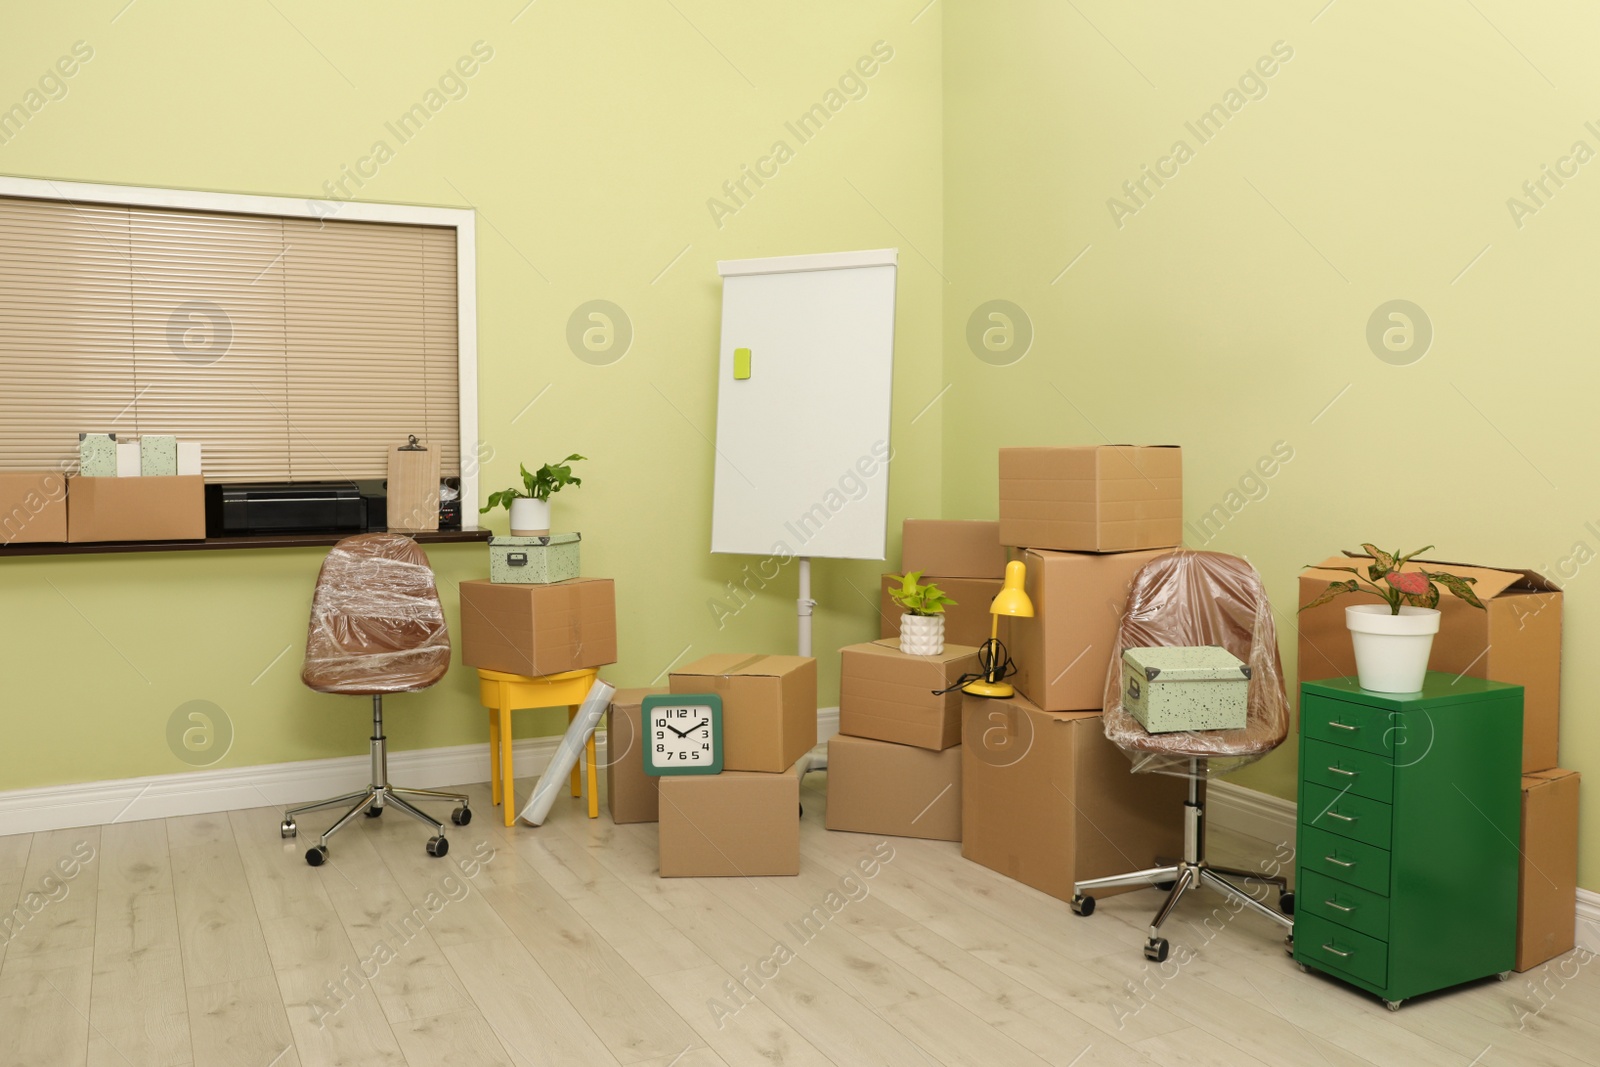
x,y
741,364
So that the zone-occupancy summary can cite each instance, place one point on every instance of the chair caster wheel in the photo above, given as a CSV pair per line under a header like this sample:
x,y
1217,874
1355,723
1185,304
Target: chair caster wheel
x,y
374,811
1082,905
287,828
317,855
1392,1005
1155,950
1286,903
438,846
1165,887
461,816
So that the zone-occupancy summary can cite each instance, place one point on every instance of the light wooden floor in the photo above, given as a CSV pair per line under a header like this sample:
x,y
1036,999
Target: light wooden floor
x,y
207,941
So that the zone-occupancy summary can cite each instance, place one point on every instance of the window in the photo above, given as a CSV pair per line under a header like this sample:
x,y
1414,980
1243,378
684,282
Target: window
x,y
292,345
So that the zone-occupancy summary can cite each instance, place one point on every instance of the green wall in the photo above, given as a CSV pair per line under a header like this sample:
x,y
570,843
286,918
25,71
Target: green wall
x,y
1229,308
1226,309
591,142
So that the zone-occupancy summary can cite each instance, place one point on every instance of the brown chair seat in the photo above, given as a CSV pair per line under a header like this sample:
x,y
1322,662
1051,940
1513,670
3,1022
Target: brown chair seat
x,y
376,622
1201,598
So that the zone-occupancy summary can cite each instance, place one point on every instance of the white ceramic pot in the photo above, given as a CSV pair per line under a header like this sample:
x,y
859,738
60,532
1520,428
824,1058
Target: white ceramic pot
x,y
1391,650
922,635
530,517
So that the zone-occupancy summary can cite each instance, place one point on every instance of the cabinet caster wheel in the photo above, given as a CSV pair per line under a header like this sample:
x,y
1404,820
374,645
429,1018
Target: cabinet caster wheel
x,y
1286,903
1082,905
287,828
1288,946
1155,950
461,816
317,855
374,811
1392,1005
437,846
1504,976
1303,968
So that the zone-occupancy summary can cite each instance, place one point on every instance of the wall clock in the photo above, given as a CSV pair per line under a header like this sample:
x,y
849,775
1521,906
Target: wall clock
x,y
683,733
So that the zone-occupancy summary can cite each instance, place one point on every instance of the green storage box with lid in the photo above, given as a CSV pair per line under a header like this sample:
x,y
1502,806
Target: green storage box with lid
x,y
533,560
1185,688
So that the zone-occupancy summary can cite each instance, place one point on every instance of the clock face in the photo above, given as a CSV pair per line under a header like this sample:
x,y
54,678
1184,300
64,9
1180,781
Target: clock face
x,y
683,735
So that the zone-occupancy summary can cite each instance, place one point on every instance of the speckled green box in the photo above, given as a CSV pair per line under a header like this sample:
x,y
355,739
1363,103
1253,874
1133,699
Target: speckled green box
x,y
158,454
533,560
1186,688
97,455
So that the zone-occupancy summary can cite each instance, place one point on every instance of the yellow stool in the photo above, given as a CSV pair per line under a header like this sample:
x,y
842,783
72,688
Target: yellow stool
x,y
501,693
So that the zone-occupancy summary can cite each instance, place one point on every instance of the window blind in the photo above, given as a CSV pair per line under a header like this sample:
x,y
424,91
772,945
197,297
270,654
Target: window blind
x,y
291,348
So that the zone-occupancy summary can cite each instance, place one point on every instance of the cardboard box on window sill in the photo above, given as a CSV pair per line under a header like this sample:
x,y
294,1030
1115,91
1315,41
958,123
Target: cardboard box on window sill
x,y
172,508
33,507
1516,640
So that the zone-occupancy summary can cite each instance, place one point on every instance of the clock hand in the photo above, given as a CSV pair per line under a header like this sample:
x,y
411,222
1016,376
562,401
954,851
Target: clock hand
x,y
695,727
674,729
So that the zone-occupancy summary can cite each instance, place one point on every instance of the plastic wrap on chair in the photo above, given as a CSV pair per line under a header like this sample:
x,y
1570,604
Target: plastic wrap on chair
x,y
376,622
1201,598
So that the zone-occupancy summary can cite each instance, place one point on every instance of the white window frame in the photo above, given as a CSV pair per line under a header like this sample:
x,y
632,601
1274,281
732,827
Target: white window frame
x,y
462,220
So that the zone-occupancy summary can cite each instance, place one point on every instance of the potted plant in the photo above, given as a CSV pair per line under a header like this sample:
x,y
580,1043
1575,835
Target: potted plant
x,y
922,624
1392,640
530,505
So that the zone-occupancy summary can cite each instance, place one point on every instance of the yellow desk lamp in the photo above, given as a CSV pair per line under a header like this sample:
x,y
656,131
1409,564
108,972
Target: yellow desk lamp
x,y
992,656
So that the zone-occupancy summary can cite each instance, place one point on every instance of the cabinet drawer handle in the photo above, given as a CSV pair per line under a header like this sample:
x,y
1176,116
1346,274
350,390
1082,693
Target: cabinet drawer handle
x,y
1343,725
1340,862
1335,951
1330,902
1341,770
1337,815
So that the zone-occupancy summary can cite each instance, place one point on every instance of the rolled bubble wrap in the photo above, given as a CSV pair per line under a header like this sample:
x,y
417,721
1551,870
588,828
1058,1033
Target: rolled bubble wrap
x,y
567,753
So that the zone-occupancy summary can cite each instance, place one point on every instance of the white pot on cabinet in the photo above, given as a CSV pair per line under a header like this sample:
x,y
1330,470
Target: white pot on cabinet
x,y
1391,650
530,517
922,635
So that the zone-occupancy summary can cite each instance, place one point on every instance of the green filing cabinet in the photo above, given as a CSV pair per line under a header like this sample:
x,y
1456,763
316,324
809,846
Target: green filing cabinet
x,y
1410,828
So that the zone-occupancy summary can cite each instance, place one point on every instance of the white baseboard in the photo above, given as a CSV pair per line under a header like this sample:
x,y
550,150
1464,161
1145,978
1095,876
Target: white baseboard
x,y
1273,819
200,792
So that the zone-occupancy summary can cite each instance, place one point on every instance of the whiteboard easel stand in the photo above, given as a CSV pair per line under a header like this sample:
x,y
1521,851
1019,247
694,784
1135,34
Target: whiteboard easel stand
x,y
804,605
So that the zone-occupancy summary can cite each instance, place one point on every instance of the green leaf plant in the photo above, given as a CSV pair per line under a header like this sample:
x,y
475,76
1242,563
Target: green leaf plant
x,y
918,598
548,479
1387,579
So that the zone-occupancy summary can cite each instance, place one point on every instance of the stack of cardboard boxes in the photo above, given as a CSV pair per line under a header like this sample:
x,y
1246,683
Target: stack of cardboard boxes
x,y
746,820
1046,799
1516,640
895,766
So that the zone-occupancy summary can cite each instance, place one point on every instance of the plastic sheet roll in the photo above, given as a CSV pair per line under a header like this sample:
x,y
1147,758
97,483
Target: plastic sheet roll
x,y
1201,598
567,753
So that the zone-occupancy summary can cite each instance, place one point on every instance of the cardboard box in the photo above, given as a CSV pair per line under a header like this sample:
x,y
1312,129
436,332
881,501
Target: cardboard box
x,y
1047,800
538,629
630,793
733,824
952,549
33,507
875,787
1063,652
1547,883
888,695
136,509
1516,640
967,623
769,706
1096,498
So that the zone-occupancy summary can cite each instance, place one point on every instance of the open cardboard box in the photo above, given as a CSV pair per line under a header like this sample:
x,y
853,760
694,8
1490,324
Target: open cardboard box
x,y
1516,640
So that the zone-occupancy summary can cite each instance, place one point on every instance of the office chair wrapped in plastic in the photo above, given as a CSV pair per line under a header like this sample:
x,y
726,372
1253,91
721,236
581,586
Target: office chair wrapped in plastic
x,y
1198,598
376,627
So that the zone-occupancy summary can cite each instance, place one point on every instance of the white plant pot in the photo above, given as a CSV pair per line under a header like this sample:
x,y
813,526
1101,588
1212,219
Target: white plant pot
x,y
922,635
530,517
1391,650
